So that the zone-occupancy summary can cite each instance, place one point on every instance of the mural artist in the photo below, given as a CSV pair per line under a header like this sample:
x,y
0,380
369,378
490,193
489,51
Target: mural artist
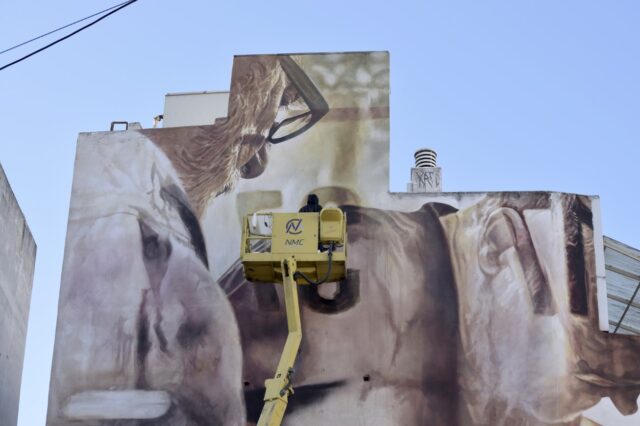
x,y
479,311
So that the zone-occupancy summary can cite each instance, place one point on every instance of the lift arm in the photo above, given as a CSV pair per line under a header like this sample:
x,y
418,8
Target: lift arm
x,y
279,388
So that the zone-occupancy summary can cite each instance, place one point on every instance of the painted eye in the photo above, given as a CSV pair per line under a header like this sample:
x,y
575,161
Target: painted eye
x,y
496,239
506,243
153,247
345,295
291,121
301,105
256,164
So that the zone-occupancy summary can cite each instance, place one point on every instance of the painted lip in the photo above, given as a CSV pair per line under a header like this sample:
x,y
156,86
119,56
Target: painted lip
x,y
117,405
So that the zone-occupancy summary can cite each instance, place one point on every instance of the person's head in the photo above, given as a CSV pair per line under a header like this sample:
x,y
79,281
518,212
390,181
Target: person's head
x,y
271,101
312,200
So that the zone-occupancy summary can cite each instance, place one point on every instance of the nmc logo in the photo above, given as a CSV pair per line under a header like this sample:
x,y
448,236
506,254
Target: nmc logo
x,y
293,226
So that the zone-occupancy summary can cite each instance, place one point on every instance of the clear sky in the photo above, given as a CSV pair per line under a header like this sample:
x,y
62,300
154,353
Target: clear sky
x,y
513,96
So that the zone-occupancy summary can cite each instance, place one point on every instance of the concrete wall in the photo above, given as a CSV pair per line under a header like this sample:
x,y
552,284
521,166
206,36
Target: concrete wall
x,y
194,109
17,260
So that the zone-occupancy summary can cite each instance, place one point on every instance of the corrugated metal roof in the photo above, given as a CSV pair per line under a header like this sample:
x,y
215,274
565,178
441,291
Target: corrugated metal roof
x,y
623,281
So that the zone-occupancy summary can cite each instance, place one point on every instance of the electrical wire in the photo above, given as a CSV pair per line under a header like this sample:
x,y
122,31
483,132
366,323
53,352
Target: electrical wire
x,y
327,275
118,8
62,28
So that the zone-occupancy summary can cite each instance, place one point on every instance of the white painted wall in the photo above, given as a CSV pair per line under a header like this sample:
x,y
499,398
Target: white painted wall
x,y
194,109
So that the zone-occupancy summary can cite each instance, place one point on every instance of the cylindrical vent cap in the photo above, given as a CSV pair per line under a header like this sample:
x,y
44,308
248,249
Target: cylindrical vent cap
x,y
425,157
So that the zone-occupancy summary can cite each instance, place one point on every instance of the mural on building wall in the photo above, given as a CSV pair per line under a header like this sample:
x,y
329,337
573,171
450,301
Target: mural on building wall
x,y
461,308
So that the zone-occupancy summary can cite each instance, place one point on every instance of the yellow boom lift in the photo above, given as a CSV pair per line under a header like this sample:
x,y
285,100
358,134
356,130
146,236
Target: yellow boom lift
x,y
292,248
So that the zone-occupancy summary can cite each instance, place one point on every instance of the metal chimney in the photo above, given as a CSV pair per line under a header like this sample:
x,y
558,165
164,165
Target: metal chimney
x,y
425,176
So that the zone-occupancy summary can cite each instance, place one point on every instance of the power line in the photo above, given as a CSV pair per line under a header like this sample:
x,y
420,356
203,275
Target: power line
x,y
122,6
62,28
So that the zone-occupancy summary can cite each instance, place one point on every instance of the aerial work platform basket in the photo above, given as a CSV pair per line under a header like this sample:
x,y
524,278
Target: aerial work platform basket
x,y
268,238
292,249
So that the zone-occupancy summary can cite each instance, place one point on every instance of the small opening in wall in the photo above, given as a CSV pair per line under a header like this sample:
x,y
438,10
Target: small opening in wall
x,y
247,384
366,377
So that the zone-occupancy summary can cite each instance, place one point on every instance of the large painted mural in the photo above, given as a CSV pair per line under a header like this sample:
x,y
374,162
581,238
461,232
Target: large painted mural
x,y
457,309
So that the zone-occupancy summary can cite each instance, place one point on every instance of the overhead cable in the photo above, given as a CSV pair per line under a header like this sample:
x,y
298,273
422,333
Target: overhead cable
x,y
62,28
117,8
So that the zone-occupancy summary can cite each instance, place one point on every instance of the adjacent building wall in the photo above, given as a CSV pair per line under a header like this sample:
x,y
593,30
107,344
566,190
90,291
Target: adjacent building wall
x,y
623,282
17,261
